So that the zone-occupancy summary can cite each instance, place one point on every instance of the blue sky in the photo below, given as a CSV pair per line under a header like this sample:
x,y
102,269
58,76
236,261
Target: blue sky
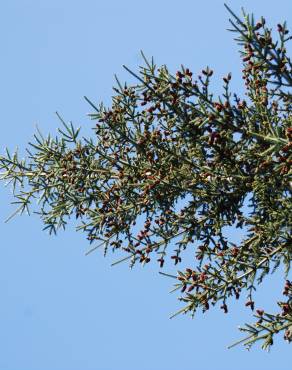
x,y
59,309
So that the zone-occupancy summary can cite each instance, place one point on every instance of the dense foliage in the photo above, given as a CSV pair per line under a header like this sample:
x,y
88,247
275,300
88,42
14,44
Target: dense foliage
x,y
189,164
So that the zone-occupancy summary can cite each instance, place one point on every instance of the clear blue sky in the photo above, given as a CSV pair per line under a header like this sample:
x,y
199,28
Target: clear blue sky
x,y
59,309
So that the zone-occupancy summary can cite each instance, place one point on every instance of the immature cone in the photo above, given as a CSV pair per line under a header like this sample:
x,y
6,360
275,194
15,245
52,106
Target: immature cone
x,y
288,334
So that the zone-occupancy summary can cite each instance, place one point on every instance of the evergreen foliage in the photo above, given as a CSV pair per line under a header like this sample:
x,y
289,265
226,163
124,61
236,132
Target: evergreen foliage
x,y
167,139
